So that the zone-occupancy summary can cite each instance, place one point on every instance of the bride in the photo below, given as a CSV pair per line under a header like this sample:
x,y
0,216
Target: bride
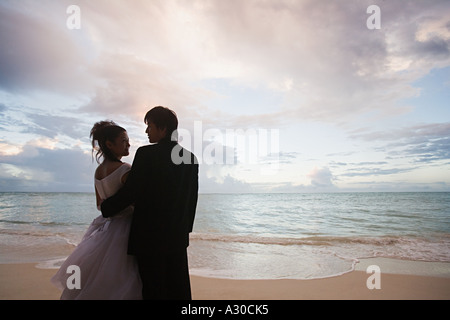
x,y
106,270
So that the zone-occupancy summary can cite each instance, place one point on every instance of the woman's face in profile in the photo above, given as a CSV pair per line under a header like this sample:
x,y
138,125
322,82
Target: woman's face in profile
x,y
121,145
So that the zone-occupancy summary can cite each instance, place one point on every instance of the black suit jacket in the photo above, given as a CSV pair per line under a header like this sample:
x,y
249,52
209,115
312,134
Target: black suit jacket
x,y
164,193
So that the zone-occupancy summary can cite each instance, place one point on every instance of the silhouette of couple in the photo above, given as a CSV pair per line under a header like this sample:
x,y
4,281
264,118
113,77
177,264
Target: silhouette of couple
x,y
137,248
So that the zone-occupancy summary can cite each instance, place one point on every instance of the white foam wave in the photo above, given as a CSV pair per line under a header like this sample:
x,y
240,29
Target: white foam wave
x,y
402,247
51,264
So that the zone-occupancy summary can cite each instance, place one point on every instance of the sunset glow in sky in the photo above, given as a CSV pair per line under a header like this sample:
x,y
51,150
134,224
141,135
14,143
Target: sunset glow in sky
x,y
327,104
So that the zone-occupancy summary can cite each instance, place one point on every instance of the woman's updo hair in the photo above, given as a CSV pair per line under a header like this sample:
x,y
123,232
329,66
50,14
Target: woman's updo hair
x,y
101,132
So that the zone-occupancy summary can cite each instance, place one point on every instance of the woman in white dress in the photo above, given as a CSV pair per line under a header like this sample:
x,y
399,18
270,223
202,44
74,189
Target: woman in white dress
x,y
106,270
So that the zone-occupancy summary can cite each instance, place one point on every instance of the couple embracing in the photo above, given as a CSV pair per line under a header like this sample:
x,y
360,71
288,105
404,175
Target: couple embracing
x,y
137,248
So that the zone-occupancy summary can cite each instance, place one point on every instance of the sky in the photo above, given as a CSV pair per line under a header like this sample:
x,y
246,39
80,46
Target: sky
x,y
271,96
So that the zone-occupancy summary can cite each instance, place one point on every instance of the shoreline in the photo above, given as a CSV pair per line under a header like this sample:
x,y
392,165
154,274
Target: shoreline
x,y
26,281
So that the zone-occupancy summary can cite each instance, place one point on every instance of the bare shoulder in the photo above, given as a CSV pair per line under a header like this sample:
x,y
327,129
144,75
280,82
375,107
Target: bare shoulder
x,y
99,172
104,170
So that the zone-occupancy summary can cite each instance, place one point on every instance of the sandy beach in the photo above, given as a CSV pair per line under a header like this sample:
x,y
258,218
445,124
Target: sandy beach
x,y
27,282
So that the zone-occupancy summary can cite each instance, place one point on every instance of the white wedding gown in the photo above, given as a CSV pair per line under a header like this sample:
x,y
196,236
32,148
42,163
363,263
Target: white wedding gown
x,y
106,270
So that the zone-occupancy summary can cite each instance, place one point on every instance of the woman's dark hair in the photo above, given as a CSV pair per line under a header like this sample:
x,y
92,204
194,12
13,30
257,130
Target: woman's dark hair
x,y
101,132
163,117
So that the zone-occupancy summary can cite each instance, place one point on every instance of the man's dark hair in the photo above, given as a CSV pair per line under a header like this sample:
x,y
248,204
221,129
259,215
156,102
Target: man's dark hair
x,y
163,117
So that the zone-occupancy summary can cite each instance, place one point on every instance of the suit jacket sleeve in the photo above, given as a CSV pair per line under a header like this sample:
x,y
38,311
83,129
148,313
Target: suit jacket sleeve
x,y
193,197
127,194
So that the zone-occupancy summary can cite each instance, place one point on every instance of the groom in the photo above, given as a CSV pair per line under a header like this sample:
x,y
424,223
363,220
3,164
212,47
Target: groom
x,y
164,193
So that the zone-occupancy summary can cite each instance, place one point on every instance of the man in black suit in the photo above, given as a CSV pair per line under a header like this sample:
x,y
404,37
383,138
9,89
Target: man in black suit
x,y
163,186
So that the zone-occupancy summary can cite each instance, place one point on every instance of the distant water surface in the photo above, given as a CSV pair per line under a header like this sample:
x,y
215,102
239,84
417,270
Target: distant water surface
x,y
252,236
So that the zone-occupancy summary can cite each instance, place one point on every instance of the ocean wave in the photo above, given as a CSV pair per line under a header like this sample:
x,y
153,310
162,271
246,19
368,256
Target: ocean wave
x,y
32,233
25,235
14,221
44,223
51,264
400,247
312,241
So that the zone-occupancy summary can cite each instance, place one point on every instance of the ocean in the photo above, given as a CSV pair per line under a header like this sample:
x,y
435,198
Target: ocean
x,y
253,236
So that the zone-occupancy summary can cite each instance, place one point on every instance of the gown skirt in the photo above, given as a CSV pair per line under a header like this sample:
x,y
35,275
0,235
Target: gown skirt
x,y
106,271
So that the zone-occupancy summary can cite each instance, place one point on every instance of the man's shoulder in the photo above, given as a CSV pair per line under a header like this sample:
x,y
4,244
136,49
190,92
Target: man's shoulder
x,y
147,149
192,156
174,150
181,155
144,153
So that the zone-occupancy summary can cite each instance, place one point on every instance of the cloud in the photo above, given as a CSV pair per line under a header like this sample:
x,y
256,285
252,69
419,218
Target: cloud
x,y
279,158
321,177
36,168
8,149
362,172
228,184
25,125
132,86
319,56
424,143
420,143
336,68
52,126
38,54
283,63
